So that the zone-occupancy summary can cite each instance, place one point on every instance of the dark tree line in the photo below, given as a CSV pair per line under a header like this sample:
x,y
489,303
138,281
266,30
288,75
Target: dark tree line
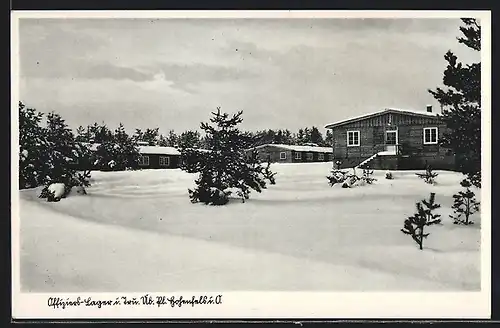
x,y
194,139
98,133
302,136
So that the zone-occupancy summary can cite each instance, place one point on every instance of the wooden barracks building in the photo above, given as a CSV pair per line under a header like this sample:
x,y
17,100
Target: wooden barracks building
x,y
392,139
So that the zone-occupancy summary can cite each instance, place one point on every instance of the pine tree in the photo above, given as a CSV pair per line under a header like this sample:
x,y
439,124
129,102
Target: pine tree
x,y
464,205
315,136
300,138
414,225
278,139
151,136
117,153
307,136
227,167
367,176
138,135
288,137
62,151
32,148
329,138
163,141
172,138
189,139
428,176
461,103
81,134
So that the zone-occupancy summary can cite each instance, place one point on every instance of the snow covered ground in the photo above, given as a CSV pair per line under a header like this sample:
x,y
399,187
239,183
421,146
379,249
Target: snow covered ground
x,y
138,231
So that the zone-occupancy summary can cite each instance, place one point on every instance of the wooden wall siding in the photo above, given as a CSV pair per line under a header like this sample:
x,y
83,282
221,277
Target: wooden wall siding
x,y
410,136
154,162
411,163
372,140
414,137
273,154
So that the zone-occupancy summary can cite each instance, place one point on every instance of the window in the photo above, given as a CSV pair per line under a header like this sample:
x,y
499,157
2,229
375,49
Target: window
x,y
321,157
309,156
430,136
143,160
164,161
298,155
330,157
352,138
283,155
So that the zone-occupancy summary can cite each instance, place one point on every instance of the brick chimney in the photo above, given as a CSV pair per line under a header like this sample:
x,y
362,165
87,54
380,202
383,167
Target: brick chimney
x,y
429,108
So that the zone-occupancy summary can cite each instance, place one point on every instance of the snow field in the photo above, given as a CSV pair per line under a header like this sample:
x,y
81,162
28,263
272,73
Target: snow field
x,y
300,234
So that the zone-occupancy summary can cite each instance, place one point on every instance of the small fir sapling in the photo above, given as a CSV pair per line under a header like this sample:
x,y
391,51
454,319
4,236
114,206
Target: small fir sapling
x,y
464,205
414,225
367,176
428,176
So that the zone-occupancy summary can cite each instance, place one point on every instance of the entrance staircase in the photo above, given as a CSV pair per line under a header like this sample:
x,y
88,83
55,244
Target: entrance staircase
x,y
366,163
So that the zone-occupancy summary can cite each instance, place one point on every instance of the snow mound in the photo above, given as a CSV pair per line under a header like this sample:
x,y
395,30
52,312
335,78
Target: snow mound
x,y
57,189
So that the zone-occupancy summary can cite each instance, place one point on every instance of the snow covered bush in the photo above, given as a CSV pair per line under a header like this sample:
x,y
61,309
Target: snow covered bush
x,y
388,175
336,176
47,153
414,225
367,176
350,180
464,205
54,192
226,167
428,176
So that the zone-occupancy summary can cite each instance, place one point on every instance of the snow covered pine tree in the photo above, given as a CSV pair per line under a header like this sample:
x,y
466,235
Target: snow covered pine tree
x,y
117,151
226,166
32,148
63,150
414,225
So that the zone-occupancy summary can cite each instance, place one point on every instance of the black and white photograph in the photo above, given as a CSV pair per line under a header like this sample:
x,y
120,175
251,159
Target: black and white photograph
x,y
251,153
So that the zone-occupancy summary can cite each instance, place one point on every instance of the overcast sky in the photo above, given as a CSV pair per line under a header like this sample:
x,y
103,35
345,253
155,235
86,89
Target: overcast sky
x,y
283,73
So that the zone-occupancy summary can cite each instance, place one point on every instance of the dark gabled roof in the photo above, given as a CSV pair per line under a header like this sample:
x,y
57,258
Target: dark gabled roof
x,y
410,112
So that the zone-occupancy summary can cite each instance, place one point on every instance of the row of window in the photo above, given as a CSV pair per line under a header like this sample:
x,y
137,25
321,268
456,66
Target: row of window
x,y
430,137
309,156
144,160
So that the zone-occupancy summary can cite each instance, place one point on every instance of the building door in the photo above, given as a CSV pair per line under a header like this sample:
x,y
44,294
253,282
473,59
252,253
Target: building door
x,y
391,141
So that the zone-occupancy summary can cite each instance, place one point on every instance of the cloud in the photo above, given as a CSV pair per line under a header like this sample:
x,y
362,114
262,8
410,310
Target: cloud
x,y
284,73
187,77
